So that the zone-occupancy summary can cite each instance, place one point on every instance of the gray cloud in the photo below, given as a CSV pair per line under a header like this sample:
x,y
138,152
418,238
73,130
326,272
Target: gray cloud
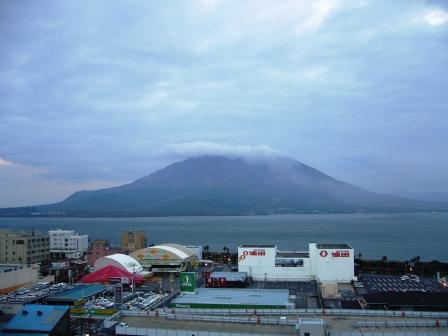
x,y
97,92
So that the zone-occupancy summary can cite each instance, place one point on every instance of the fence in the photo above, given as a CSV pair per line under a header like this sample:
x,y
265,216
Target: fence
x,y
170,332
407,333
401,324
301,312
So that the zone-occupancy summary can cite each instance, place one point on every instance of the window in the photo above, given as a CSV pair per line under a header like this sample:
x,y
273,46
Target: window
x,y
306,334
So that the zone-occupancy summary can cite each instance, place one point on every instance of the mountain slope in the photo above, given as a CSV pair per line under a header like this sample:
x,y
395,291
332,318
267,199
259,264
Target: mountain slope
x,y
212,185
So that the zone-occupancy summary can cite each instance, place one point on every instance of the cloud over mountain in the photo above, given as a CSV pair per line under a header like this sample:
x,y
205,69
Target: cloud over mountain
x,y
204,148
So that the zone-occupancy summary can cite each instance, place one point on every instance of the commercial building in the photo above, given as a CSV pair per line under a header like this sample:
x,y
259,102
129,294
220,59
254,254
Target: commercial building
x,y
229,298
13,276
100,248
133,240
166,258
77,295
24,248
66,244
322,262
37,319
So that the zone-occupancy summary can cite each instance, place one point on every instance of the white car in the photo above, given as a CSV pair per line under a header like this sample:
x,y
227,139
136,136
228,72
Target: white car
x,y
123,324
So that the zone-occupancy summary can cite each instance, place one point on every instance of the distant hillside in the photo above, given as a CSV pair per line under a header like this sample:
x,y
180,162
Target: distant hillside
x,y
213,185
424,196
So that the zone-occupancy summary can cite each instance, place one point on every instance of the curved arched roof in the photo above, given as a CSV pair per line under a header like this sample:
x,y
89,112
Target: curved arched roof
x,y
164,251
120,260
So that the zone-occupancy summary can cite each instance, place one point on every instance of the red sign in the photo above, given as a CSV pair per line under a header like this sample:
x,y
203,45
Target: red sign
x,y
341,254
256,252
323,253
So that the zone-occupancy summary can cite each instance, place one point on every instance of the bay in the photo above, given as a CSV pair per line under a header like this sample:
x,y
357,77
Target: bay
x,y
397,236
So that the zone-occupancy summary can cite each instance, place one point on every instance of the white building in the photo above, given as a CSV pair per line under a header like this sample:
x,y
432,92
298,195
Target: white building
x,y
67,244
322,262
122,261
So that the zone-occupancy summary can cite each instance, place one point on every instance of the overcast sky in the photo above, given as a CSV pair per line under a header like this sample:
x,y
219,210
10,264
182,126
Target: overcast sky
x,y
97,93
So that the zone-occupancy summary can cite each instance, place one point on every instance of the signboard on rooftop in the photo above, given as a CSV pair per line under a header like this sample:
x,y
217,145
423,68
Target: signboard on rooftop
x,y
187,282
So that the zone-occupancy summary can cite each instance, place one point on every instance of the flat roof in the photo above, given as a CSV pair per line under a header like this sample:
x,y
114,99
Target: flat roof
x,y
255,245
235,297
36,318
230,276
292,254
77,293
206,327
333,246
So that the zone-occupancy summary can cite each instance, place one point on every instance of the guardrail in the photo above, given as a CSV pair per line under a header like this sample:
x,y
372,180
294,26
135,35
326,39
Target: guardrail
x,y
401,324
330,312
228,319
387,333
170,332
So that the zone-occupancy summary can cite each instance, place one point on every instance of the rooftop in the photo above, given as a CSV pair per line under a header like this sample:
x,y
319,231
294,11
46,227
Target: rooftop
x,y
292,254
203,328
230,276
258,246
235,297
36,318
333,246
77,293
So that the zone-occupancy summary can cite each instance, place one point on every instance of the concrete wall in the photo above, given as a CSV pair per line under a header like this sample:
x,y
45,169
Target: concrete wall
x,y
24,274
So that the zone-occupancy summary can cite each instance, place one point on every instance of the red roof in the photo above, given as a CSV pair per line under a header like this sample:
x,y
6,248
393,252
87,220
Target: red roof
x,y
104,274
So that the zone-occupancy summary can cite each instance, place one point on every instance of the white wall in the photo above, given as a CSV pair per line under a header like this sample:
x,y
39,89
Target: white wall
x,y
334,264
68,240
261,267
259,263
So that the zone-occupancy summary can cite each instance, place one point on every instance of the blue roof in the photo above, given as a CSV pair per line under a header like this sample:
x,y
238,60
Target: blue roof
x,y
36,317
77,293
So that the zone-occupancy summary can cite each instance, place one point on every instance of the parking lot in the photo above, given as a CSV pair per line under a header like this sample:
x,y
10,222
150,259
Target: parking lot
x,y
389,283
303,292
33,293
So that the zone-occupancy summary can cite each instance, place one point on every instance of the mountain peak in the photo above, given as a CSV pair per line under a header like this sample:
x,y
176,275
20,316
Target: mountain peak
x,y
222,185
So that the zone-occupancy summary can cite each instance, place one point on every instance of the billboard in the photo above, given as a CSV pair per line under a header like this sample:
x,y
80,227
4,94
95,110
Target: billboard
x,y
187,282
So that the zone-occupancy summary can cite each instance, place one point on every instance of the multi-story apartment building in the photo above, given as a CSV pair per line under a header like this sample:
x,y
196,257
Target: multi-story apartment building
x,y
100,248
67,244
133,240
24,248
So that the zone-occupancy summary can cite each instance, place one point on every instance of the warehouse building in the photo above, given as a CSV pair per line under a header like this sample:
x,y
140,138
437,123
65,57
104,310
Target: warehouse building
x,y
322,262
37,319
229,298
166,258
77,295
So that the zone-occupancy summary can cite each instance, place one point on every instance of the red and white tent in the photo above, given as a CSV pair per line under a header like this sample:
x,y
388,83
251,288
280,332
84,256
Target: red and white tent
x,y
112,274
